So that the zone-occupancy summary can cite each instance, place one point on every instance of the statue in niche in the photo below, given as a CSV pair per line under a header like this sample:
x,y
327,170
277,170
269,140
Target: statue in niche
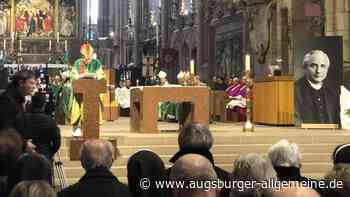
x,y
3,21
259,31
67,18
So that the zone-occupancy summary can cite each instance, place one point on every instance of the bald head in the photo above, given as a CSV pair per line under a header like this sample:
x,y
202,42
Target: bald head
x,y
295,192
96,153
193,167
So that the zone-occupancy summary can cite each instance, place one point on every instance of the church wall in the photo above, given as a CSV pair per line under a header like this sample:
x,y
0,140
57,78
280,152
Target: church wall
x,y
337,24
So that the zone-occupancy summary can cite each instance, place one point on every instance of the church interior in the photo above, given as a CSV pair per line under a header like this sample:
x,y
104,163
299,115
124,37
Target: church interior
x,y
138,86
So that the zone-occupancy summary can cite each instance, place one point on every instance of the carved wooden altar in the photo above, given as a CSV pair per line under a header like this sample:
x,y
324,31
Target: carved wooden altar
x,y
144,102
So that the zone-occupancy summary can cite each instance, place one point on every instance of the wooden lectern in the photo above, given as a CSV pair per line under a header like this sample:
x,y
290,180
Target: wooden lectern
x,y
273,100
90,90
111,110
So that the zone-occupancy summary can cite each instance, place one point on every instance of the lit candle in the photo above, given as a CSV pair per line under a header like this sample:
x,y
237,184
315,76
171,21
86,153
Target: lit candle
x,y
4,44
58,37
65,45
20,45
192,67
49,45
247,62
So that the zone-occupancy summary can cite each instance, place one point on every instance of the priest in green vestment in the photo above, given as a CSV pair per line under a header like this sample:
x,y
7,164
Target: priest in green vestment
x,y
85,67
167,111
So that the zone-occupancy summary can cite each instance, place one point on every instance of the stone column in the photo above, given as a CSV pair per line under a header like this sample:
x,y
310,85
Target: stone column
x,y
103,15
199,27
165,11
211,54
82,25
116,17
137,26
122,31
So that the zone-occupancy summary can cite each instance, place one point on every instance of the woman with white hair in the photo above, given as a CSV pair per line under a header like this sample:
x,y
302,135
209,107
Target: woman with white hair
x,y
286,160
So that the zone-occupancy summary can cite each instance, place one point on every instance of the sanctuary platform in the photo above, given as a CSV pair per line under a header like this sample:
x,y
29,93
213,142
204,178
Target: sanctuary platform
x,y
315,145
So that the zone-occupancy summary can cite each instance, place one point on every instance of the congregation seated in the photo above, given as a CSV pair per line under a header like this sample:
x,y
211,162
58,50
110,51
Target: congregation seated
x,y
11,147
197,139
30,166
295,192
40,128
286,160
97,157
145,164
339,172
252,167
193,167
33,188
219,84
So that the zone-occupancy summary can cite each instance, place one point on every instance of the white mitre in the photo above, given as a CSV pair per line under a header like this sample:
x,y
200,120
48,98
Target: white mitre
x,y
162,74
181,75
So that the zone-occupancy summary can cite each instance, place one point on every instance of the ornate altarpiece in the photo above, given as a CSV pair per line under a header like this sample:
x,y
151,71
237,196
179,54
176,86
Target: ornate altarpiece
x,y
38,19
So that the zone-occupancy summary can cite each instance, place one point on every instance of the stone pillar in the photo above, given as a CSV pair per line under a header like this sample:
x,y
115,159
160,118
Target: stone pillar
x,y
200,30
165,11
103,16
121,33
117,16
137,26
211,43
82,25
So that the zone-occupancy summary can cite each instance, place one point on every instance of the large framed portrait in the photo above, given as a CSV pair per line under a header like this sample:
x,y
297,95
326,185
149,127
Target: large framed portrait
x,y
318,77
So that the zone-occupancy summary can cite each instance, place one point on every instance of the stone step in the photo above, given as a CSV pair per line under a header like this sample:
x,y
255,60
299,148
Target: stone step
x,y
121,171
225,138
218,158
217,149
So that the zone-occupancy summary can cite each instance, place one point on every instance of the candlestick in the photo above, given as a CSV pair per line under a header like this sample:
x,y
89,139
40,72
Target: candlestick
x,y
247,62
192,67
50,45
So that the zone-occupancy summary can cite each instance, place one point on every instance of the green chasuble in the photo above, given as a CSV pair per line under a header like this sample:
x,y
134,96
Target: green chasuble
x,y
92,69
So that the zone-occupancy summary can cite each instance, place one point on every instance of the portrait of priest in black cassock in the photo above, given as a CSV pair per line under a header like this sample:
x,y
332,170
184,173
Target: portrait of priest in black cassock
x,y
316,98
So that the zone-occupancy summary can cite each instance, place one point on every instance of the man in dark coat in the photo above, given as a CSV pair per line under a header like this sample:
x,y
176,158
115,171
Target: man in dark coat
x,y
197,139
97,159
12,100
40,128
317,99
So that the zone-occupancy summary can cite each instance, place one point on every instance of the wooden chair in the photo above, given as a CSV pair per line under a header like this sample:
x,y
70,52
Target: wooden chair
x,y
218,105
